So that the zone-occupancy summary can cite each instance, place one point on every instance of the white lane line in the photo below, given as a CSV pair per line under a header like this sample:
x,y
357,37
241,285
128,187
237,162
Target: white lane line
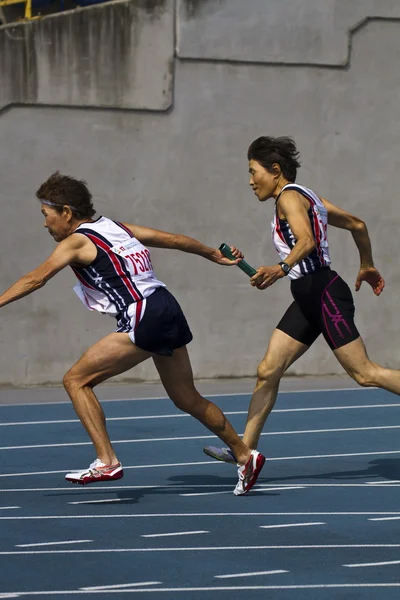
x,y
101,501
264,489
131,441
276,572
209,493
318,485
184,416
331,430
203,514
226,395
261,486
53,543
135,418
249,393
386,482
385,519
304,485
64,421
201,549
206,437
120,487
162,465
290,525
181,487
8,507
157,535
379,453
34,473
346,407
267,488
374,564
200,437
208,589
118,587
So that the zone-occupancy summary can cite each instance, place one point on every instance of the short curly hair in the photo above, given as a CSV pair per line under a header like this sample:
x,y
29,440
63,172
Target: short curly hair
x,y
63,190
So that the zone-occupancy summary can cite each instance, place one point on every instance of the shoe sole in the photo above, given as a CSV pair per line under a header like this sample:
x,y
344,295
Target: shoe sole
x,y
95,480
215,457
260,461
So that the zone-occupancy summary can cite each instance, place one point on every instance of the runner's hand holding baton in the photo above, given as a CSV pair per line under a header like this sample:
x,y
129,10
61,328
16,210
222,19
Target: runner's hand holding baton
x,y
243,265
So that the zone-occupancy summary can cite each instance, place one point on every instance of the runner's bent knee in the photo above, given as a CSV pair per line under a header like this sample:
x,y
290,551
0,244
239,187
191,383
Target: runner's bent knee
x,y
269,372
70,382
73,379
186,402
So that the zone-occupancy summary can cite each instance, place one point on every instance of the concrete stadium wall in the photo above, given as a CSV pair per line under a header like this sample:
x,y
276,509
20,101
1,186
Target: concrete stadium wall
x,y
322,72
117,54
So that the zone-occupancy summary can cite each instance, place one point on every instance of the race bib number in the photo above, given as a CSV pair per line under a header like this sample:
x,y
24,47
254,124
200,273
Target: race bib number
x,y
137,256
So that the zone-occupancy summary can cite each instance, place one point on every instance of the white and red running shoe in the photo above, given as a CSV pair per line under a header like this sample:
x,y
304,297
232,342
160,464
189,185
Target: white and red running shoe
x,y
248,473
97,471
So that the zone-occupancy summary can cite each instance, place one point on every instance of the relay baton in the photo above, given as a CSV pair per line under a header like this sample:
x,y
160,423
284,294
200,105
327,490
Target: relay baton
x,y
226,251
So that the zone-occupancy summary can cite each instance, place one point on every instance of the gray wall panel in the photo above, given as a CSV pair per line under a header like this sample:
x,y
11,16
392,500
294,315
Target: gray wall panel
x,y
186,171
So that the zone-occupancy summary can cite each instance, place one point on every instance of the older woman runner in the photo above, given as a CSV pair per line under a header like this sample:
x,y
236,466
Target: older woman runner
x,y
116,277
323,302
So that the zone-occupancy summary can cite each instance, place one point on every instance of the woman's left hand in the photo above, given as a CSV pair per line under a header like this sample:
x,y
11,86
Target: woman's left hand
x,y
371,276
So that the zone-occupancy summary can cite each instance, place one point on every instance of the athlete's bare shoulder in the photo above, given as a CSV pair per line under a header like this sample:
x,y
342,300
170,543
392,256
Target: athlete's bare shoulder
x,y
79,248
290,199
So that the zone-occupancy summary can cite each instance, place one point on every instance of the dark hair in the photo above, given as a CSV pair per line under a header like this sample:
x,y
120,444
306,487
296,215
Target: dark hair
x,y
282,150
63,190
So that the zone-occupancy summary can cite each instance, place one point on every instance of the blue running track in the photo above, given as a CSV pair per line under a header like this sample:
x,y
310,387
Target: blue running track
x,y
322,523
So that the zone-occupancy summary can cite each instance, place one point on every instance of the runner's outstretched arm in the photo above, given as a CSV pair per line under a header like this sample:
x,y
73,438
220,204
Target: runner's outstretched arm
x,y
74,249
154,238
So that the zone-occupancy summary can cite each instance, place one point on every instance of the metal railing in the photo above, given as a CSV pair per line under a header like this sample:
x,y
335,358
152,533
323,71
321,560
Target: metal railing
x,y
28,6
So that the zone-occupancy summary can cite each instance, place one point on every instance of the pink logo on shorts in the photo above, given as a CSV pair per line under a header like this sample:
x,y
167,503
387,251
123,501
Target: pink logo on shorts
x,y
335,317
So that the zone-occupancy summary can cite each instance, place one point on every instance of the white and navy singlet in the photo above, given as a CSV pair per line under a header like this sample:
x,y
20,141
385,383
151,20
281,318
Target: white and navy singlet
x,y
284,240
121,282
323,302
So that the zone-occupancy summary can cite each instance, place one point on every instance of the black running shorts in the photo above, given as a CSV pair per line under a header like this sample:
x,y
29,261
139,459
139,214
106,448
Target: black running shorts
x,y
162,327
323,303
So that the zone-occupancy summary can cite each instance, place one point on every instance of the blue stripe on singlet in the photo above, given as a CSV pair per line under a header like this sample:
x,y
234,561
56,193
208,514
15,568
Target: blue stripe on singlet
x,y
314,257
107,270
128,231
312,262
90,279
